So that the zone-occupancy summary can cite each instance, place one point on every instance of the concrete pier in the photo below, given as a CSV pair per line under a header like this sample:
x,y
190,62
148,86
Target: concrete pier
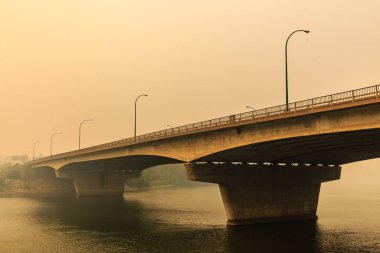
x,y
98,182
265,193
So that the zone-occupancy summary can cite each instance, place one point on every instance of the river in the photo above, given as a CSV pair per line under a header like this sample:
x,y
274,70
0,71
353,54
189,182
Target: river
x,y
187,219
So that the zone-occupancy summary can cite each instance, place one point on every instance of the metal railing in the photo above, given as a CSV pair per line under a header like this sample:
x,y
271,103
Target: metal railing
x,y
262,114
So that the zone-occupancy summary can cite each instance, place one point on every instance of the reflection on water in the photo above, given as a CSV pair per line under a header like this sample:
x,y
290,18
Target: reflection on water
x,y
286,237
175,220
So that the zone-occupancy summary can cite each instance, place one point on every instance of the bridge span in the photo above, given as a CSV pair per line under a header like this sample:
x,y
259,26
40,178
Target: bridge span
x,y
269,163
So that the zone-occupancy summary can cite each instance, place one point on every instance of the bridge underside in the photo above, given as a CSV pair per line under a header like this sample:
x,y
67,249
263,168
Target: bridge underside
x,y
107,177
336,149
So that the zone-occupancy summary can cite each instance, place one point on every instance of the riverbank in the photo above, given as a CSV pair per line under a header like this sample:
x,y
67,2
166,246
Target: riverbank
x,y
37,187
191,184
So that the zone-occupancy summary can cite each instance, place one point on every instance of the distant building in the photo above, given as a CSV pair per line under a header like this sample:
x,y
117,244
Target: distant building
x,y
14,159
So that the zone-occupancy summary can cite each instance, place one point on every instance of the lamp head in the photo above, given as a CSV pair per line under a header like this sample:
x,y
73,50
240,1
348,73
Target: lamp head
x,y
306,31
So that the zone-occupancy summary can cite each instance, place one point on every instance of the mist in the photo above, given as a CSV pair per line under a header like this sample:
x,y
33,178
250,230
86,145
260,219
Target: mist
x,y
63,62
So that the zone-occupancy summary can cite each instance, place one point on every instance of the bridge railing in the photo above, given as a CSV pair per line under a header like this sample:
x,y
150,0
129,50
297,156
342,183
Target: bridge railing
x,y
266,113
304,105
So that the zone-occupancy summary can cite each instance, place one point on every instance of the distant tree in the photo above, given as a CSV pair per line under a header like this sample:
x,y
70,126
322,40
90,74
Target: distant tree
x,y
13,174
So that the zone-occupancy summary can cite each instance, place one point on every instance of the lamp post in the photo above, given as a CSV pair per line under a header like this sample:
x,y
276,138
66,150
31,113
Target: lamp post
x,y
51,143
144,95
34,147
253,110
286,65
80,128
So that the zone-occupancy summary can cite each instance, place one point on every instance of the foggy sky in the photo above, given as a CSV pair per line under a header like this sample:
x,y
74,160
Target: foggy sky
x,y
64,61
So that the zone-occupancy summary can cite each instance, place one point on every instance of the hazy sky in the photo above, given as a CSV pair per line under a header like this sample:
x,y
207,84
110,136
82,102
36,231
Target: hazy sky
x,y
67,60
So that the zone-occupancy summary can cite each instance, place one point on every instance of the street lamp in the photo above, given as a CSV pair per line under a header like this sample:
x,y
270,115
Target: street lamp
x,y
51,143
253,110
34,147
144,95
80,128
286,65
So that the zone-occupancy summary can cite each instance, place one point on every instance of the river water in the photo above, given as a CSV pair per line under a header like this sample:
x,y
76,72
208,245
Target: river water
x,y
188,219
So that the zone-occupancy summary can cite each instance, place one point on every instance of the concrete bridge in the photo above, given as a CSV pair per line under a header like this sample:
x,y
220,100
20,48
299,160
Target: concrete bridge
x,y
269,163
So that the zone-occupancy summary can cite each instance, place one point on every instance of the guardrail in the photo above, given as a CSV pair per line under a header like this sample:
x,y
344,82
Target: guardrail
x,y
266,113
309,104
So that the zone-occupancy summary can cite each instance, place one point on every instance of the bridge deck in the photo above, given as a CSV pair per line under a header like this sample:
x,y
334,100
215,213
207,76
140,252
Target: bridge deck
x,y
353,98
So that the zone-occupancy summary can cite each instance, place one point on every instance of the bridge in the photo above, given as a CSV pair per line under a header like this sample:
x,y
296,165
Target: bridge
x,y
269,163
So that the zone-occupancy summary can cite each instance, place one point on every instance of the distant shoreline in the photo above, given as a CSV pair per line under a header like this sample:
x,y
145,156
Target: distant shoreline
x,y
36,187
10,194
27,191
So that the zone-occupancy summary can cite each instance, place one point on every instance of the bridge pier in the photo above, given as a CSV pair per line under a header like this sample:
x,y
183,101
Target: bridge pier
x,y
98,182
265,193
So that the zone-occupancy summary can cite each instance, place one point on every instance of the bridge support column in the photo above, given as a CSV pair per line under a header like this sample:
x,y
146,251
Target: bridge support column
x,y
98,182
265,193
